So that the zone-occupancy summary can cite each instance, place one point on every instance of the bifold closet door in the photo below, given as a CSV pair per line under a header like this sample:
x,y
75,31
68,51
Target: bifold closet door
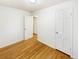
x,y
28,27
67,31
59,30
63,30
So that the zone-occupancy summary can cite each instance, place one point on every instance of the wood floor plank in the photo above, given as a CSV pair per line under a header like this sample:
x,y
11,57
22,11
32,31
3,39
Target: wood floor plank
x,y
31,49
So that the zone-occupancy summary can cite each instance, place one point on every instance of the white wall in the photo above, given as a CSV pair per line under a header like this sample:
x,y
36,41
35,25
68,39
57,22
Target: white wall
x,y
11,25
45,27
46,17
75,30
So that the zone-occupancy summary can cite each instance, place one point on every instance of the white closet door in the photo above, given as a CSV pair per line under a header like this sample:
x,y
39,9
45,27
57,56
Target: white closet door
x,y
59,30
64,30
67,31
28,27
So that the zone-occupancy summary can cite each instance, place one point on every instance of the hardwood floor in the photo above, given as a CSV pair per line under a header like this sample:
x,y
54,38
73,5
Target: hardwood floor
x,y
31,49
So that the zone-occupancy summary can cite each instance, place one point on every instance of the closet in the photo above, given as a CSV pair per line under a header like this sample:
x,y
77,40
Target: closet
x,y
63,30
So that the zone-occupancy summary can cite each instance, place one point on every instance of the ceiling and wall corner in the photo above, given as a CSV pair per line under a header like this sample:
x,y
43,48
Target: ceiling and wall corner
x,y
28,6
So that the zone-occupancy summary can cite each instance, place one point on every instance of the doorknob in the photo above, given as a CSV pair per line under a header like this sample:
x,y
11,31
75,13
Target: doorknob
x,y
56,32
25,28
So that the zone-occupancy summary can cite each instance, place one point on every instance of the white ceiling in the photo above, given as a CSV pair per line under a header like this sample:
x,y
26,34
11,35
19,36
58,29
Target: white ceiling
x,y
26,5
